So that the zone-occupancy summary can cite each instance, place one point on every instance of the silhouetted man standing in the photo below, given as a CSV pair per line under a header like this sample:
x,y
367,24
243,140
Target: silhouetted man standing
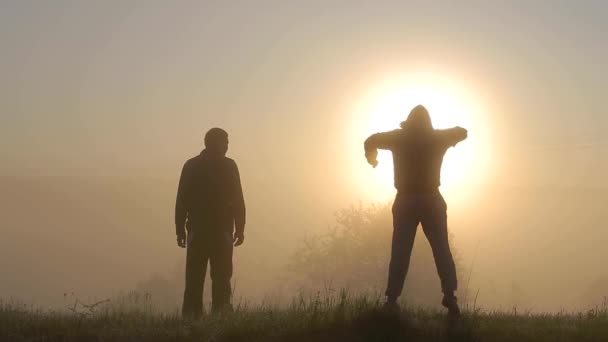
x,y
418,152
211,208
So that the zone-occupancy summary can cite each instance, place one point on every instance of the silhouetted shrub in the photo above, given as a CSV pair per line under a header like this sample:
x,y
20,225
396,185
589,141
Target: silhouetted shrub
x,y
354,254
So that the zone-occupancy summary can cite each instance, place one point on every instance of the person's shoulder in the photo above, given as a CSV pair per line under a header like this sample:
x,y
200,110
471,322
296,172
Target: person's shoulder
x,y
393,134
451,136
193,161
449,131
399,135
230,161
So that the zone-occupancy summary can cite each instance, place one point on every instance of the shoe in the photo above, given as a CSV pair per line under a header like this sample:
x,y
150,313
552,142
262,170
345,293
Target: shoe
x,y
391,306
451,303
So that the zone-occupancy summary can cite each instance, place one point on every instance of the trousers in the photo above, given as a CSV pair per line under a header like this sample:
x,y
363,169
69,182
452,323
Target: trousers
x,y
215,250
409,210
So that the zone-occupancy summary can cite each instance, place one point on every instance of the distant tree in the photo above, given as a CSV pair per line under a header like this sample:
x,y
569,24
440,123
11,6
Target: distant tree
x,y
354,255
596,294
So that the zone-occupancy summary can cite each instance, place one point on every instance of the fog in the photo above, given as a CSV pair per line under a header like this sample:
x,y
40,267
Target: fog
x,y
101,104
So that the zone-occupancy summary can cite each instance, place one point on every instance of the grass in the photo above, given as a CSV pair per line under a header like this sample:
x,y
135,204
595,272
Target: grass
x,y
321,318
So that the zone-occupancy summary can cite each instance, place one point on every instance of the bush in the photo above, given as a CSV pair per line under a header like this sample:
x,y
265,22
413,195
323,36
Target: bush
x,y
354,254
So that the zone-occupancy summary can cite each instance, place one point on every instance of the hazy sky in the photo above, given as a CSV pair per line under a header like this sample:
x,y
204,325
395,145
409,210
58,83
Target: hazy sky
x,y
134,84
128,88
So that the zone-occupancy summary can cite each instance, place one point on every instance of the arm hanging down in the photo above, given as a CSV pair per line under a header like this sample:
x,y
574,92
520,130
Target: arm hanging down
x,y
181,210
238,207
383,141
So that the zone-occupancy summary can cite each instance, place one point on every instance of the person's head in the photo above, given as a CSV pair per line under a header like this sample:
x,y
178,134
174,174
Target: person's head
x,y
216,141
419,120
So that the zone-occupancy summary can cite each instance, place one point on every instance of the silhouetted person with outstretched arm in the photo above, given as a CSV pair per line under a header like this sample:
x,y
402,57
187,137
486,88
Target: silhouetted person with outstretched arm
x,y
209,221
418,152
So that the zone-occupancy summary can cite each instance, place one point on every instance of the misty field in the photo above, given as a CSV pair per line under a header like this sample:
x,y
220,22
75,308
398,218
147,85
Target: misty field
x,y
335,318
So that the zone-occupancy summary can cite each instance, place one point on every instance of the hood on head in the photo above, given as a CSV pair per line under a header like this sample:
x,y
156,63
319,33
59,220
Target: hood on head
x,y
419,119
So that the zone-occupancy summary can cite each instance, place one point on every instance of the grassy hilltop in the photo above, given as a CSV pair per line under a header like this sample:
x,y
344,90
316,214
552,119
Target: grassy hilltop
x,y
339,318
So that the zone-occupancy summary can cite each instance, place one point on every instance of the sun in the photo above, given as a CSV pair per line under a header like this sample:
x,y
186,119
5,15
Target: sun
x,y
449,103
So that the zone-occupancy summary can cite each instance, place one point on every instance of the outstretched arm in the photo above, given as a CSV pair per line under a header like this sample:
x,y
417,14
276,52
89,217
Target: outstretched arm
x,y
383,141
453,136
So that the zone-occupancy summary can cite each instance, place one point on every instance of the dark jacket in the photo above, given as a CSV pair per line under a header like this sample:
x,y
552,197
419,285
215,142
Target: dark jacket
x,y
417,155
210,197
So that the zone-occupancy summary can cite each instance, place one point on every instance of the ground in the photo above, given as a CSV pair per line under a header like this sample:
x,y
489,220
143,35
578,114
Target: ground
x,y
319,320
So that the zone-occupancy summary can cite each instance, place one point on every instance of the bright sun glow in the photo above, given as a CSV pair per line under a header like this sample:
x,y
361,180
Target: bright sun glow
x,y
449,104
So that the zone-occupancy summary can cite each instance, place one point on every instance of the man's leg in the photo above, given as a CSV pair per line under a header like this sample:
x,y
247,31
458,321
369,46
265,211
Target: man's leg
x,y
434,224
196,268
221,273
405,223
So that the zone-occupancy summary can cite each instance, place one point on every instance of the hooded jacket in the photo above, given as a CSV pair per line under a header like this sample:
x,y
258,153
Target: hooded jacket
x,y
418,152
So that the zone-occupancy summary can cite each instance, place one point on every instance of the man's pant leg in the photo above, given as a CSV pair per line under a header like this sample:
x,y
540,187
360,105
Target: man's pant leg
x,y
405,223
435,226
196,269
221,273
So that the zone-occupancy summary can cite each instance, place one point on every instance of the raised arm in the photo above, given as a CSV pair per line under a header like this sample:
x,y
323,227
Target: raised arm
x,y
383,141
453,136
